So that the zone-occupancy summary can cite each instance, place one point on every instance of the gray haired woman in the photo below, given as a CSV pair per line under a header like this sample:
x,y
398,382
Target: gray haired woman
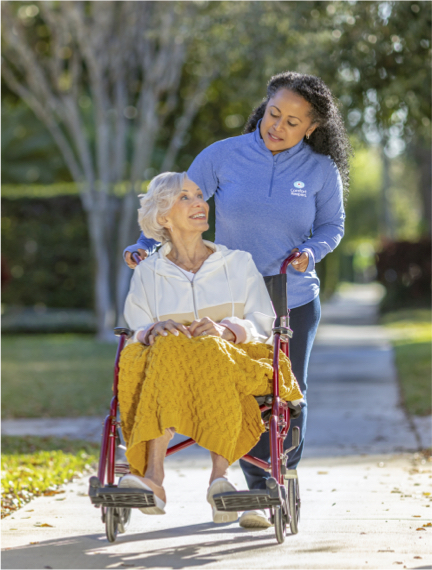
x,y
189,287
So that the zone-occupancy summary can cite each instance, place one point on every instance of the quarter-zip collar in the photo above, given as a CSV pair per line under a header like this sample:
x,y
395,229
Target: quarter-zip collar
x,y
280,156
168,269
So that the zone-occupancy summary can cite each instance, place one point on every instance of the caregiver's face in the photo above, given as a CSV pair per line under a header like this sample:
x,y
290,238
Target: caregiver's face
x,y
286,121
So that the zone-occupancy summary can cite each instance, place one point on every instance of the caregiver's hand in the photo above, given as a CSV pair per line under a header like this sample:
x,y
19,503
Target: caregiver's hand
x,y
207,326
163,328
130,262
301,263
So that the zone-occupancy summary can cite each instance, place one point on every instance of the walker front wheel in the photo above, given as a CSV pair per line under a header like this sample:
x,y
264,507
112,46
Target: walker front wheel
x,y
111,523
124,519
279,524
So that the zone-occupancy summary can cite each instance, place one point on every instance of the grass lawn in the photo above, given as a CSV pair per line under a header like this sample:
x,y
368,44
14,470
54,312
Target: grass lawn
x,y
32,466
411,333
55,376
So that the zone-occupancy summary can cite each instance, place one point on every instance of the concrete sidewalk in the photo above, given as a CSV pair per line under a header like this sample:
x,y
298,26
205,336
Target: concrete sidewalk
x,y
364,489
353,388
357,512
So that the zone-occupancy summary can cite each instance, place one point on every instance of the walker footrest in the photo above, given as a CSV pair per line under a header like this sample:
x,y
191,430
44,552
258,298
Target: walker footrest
x,y
115,497
245,500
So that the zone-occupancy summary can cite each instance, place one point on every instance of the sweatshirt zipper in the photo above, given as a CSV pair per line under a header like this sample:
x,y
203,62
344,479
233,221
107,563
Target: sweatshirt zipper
x,y
193,293
193,298
272,175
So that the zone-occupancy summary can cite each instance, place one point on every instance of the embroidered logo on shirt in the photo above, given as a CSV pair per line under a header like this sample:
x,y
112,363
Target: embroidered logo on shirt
x,y
298,189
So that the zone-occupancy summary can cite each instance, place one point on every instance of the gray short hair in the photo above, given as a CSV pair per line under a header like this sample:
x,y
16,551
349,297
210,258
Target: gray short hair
x,y
158,201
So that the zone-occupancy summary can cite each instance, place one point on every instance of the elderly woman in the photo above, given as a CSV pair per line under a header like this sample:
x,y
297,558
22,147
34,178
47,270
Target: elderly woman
x,y
190,305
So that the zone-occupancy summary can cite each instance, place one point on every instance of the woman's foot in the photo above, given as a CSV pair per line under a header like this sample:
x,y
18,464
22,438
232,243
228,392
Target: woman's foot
x,y
255,519
158,490
137,482
221,485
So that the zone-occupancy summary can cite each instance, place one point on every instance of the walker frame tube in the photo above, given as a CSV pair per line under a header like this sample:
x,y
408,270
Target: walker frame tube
x,y
110,425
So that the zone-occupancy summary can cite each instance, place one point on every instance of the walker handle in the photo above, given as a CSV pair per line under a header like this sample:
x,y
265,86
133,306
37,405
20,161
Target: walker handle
x,y
136,257
288,261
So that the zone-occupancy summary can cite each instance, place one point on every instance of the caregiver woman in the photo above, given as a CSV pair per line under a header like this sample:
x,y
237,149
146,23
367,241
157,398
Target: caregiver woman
x,y
279,188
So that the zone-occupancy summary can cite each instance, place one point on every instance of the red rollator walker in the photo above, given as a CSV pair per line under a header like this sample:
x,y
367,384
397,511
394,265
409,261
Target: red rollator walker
x,y
281,496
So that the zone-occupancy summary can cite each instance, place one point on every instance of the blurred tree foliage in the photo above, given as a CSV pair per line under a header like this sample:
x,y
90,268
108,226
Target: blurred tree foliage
x,y
375,56
29,153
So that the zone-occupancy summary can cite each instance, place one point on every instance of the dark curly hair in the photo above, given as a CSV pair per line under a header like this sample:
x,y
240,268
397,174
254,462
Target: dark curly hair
x,y
330,137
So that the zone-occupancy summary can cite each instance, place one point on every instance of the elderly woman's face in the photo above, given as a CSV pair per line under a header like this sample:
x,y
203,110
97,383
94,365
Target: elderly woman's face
x,y
190,210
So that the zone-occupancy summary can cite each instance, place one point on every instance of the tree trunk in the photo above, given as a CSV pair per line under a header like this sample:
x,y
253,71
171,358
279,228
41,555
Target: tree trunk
x,y
105,310
127,234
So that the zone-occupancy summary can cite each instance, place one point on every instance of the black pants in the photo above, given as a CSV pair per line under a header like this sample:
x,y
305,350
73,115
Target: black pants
x,y
304,323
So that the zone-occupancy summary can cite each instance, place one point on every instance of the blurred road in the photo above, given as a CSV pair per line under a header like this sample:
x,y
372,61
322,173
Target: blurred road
x,y
365,491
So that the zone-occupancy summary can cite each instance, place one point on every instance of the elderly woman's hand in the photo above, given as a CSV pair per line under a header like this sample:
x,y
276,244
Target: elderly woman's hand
x,y
162,328
207,326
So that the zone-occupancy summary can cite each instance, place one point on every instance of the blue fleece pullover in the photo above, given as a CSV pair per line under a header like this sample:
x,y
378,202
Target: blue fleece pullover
x,y
269,204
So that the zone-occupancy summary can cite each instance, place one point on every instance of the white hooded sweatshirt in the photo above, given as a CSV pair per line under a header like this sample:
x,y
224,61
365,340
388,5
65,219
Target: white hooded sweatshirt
x,y
227,288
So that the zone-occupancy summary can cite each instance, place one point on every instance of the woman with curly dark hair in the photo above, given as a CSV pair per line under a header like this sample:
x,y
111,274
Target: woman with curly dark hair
x,y
280,188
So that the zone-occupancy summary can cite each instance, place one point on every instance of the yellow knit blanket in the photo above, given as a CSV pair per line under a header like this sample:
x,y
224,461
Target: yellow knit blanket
x,y
204,387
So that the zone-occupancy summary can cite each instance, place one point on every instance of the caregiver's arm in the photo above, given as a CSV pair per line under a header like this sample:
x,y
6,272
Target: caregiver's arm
x,y
328,228
144,246
259,315
203,170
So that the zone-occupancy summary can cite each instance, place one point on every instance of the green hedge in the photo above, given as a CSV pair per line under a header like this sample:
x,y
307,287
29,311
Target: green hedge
x,y
46,255
46,258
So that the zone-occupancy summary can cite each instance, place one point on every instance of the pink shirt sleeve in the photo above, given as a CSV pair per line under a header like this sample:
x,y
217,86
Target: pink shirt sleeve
x,y
237,330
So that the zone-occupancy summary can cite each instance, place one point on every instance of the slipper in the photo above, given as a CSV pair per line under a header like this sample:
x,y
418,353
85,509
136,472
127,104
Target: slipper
x,y
221,485
133,482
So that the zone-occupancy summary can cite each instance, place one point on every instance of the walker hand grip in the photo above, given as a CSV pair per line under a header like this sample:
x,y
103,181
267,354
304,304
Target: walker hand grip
x,y
295,442
288,261
119,331
295,436
136,257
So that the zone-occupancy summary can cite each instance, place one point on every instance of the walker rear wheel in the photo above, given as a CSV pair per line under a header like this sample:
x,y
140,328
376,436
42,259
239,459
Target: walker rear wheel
x,y
294,504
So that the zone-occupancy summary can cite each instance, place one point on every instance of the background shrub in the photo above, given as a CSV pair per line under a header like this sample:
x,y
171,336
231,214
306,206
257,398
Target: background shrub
x,y
46,253
404,268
